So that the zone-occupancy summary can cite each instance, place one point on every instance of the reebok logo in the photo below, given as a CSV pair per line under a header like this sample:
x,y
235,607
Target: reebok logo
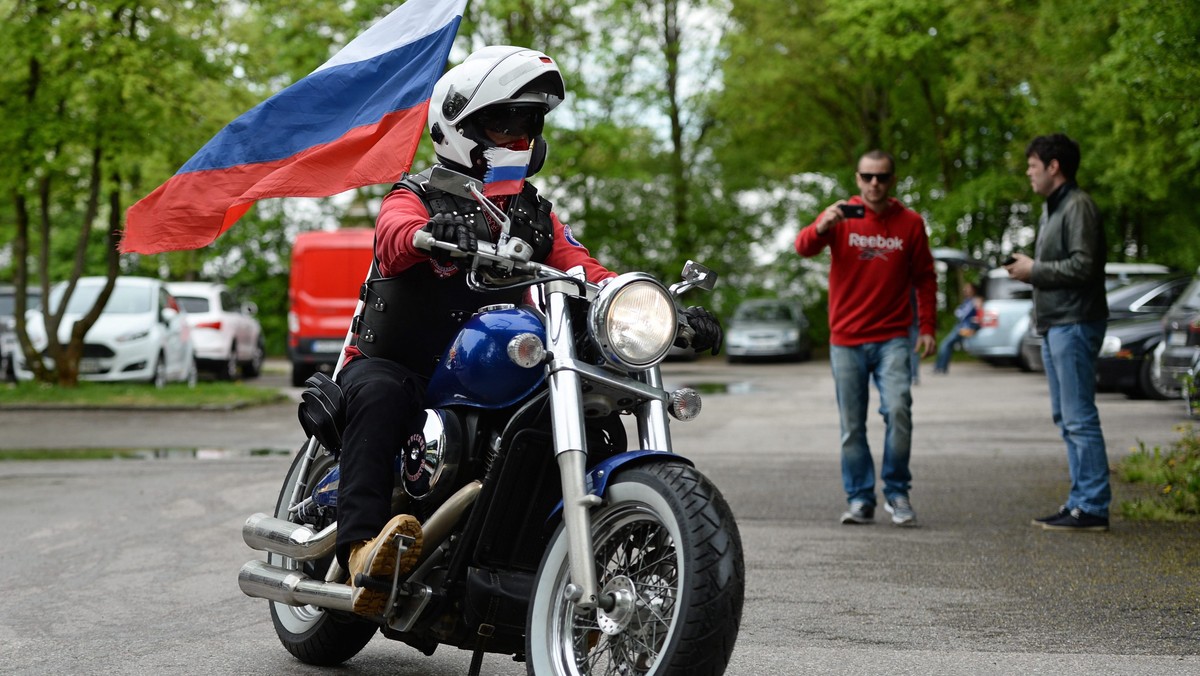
x,y
875,246
876,242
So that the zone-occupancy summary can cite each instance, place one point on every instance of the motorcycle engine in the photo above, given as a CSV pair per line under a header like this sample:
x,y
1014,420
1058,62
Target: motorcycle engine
x,y
431,458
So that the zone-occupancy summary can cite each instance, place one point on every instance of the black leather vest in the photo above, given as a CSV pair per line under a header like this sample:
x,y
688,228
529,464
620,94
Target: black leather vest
x,y
411,318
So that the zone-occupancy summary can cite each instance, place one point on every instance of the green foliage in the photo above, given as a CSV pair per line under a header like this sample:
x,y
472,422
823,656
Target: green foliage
x,y
1173,475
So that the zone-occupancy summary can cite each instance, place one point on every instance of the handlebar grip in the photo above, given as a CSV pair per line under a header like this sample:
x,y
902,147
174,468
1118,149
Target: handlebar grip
x,y
423,240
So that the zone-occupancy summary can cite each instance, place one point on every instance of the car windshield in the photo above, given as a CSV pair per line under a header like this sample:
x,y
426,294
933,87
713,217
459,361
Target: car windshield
x,y
124,299
194,304
764,313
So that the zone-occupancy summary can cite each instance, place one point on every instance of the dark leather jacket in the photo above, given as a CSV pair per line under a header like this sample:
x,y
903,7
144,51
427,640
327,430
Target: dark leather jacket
x,y
1068,271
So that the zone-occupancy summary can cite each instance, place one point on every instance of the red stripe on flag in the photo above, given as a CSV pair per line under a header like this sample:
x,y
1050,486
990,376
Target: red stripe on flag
x,y
191,210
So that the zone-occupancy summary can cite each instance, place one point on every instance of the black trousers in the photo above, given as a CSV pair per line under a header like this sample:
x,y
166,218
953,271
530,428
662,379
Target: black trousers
x,y
385,405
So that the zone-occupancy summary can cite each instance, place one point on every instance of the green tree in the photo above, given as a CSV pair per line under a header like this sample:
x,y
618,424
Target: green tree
x,y
101,96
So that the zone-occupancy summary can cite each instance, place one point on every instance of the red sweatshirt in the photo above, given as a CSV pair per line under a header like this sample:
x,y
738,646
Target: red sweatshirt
x,y
875,262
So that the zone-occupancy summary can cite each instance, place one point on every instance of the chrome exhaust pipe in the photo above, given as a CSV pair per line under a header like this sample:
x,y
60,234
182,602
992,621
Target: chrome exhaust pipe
x,y
262,580
293,540
300,543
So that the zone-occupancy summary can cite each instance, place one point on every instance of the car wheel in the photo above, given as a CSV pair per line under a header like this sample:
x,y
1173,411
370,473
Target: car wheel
x,y
159,378
193,374
229,368
1150,383
253,368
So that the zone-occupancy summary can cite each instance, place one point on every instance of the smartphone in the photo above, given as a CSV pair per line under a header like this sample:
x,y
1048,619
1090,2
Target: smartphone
x,y
853,210
1010,260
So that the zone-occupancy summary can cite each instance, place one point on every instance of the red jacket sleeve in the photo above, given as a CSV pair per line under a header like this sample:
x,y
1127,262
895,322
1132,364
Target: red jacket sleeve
x,y
403,214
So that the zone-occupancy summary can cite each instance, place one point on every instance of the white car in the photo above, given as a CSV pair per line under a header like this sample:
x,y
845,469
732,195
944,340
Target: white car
x,y
141,335
227,336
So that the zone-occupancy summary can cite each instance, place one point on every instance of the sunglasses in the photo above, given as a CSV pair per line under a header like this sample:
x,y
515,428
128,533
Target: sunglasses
x,y
512,120
882,178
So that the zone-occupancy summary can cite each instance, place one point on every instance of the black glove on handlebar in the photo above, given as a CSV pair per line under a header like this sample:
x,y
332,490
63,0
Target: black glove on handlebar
x,y
707,328
451,228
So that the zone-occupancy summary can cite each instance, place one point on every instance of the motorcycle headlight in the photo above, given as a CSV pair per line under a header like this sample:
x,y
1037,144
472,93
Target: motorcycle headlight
x,y
633,321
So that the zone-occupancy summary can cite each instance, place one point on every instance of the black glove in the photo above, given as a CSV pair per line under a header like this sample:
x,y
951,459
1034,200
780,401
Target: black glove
x,y
707,328
451,228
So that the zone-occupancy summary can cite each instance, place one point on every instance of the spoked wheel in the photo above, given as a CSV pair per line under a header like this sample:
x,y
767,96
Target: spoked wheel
x,y
314,635
668,555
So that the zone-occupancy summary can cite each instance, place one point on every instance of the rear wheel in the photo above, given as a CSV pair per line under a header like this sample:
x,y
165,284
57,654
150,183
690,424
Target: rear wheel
x,y
159,377
228,369
668,553
1151,384
314,635
253,368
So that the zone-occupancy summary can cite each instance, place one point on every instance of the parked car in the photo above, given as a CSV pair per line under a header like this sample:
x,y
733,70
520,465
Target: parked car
x,y
140,335
768,328
225,333
1003,322
1006,334
1181,356
1133,333
9,346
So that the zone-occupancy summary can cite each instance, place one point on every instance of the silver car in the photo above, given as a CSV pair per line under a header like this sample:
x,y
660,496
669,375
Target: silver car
x,y
1008,305
768,328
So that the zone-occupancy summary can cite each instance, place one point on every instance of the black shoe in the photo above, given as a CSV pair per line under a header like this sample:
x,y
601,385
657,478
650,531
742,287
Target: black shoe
x,y
1079,521
1042,521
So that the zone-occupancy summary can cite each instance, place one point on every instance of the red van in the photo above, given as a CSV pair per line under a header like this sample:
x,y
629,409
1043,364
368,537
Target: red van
x,y
328,268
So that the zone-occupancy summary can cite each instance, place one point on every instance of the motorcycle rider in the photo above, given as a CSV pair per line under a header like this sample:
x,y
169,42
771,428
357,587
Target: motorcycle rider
x,y
485,119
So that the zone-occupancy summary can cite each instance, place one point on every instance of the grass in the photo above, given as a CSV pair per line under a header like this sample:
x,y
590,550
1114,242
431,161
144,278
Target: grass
x,y
121,395
1170,480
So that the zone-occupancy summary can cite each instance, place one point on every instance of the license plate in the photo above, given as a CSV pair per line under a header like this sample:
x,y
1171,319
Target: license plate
x,y
89,366
1177,338
327,346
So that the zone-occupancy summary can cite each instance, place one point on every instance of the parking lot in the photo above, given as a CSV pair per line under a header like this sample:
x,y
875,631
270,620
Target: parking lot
x,y
130,566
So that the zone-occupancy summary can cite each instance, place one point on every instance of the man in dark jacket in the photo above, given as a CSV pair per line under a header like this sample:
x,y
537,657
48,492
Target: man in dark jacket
x,y
1067,274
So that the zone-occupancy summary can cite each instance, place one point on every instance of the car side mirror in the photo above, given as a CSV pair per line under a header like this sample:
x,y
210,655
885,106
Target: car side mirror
x,y
167,315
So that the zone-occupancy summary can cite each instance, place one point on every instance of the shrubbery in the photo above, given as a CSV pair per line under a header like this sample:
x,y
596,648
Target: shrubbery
x,y
1173,474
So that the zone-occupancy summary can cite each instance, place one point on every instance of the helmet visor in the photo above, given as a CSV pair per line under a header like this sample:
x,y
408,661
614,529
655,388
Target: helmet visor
x,y
513,120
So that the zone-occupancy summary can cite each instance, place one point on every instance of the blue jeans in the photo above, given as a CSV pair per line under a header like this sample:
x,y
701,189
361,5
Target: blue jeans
x,y
1070,352
946,350
888,363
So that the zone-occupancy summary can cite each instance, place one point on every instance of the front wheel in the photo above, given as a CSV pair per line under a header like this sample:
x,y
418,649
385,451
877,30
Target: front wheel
x,y
314,635
668,552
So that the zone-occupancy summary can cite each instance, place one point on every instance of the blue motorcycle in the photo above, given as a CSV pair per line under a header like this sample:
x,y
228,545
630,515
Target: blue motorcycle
x,y
547,535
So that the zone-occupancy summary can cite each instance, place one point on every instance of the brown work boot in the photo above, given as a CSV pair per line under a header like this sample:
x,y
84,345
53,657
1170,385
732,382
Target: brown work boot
x,y
377,559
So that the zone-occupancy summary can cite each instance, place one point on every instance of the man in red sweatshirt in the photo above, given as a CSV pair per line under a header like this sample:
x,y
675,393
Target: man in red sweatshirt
x,y
879,252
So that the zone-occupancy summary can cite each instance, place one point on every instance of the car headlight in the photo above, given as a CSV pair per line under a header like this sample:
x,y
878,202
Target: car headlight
x,y
132,336
633,321
1110,347
791,335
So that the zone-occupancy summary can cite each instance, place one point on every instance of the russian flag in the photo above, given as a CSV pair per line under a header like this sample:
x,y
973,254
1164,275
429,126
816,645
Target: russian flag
x,y
354,121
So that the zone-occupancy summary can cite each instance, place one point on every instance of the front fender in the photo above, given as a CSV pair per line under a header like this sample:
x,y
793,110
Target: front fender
x,y
598,476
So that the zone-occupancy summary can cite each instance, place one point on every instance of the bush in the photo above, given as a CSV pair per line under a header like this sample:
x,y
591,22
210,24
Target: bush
x,y
1173,477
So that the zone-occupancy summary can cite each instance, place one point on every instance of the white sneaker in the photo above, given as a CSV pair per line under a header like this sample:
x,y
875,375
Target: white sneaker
x,y
901,510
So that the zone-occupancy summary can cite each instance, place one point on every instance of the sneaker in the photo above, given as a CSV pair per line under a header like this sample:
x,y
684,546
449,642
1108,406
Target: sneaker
x,y
1043,520
1079,521
376,558
901,510
860,511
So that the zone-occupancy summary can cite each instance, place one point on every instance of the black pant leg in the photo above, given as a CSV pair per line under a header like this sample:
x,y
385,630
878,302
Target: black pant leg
x,y
384,406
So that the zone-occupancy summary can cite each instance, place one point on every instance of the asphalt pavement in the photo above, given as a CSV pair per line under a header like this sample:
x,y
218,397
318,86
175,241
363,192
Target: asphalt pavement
x,y
130,566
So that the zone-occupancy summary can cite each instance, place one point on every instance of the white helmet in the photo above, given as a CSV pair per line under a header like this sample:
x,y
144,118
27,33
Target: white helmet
x,y
496,77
